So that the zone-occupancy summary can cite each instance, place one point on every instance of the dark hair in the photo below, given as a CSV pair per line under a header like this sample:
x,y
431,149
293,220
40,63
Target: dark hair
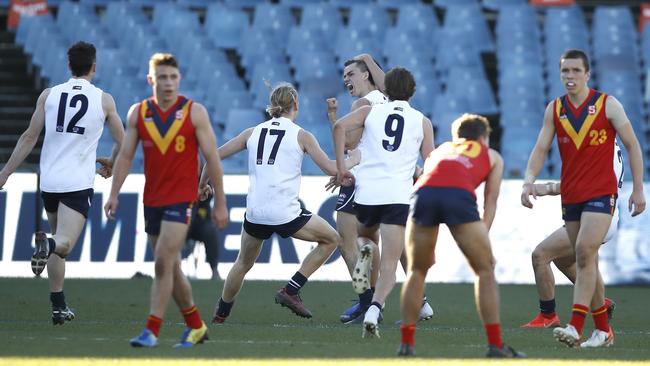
x,y
363,67
81,57
575,53
400,84
471,127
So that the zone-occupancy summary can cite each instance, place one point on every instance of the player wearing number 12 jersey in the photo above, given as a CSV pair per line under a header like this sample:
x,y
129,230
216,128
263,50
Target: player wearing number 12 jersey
x,y
275,152
394,135
73,115
172,129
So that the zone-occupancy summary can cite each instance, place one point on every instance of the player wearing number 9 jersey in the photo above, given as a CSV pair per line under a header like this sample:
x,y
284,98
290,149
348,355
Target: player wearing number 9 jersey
x,y
394,135
172,129
275,152
73,115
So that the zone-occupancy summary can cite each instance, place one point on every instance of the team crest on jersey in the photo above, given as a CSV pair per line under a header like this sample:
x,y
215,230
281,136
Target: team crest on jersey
x,y
148,116
179,114
591,109
563,113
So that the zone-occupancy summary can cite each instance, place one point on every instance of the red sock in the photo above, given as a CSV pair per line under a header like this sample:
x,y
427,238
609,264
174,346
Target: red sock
x,y
192,317
408,334
578,317
493,332
601,320
153,324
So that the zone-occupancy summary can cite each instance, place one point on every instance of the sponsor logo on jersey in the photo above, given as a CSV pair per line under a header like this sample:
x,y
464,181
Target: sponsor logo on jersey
x,y
591,109
76,87
179,114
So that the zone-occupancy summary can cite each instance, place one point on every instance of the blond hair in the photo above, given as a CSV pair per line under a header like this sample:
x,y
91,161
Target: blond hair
x,y
283,99
471,127
159,58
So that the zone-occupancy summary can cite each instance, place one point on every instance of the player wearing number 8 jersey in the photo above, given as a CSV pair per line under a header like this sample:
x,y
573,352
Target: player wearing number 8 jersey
x,y
171,129
73,115
275,152
586,123
394,135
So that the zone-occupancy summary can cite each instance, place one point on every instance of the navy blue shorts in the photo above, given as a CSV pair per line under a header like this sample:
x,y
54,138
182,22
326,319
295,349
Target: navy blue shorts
x,y
604,204
153,216
391,214
432,206
264,232
77,200
345,201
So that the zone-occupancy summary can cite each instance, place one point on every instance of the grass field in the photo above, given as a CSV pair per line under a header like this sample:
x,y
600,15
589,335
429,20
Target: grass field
x,y
109,312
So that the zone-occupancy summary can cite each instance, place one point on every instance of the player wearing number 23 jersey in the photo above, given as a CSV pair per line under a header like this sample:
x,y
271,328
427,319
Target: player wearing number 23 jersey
x,y
170,152
586,142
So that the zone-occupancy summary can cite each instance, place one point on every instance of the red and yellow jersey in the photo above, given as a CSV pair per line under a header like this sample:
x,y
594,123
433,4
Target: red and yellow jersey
x,y
461,164
170,153
585,138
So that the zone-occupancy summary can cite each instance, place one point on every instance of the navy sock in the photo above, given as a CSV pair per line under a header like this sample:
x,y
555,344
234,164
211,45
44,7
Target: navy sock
x,y
547,307
365,298
57,299
223,310
295,284
378,305
52,245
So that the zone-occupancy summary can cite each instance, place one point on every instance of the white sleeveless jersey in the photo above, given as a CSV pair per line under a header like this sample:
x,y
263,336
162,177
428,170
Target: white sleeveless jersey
x,y
74,121
619,170
375,97
274,165
390,147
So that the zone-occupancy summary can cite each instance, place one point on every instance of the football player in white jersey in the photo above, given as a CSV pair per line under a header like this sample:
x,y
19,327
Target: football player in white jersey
x,y
364,79
557,248
275,152
393,136
73,115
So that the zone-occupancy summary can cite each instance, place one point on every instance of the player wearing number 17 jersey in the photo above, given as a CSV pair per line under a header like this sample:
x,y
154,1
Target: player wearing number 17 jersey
x,y
275,152
73,115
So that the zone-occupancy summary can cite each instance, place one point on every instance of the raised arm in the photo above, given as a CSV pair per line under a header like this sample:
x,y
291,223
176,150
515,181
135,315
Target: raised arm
x,y
376,72
231,147
27,140
618,118
350,121
124,160
492,188
207,142
537,156
311,146
116,129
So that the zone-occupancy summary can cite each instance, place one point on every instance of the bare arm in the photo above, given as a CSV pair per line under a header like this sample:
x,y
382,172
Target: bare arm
x,y
492,187
27,140
124,160
537,156
231,147
427,143
353,134
352,120
311,146
207,142
547,189
618,118
377,73
116,130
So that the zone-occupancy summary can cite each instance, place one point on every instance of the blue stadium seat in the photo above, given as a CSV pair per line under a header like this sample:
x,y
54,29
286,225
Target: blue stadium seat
x,y
312,109
500,4
223,102
241,119
352,42
400,42
323,16
273,73
451,3
468,21
243,3
478,93
273,18
306,40
225,26
349,3
396,4
344,102
29,24
70,12
199,4
370,18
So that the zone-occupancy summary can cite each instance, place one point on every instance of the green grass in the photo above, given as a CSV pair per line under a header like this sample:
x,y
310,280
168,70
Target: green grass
x,y
109,312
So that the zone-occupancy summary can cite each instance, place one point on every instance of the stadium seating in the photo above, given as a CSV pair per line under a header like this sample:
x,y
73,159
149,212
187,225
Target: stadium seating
x,y
227,49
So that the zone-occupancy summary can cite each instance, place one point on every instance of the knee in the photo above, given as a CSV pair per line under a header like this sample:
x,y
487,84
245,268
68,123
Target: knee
x,y
539,257
583,257
63,246
163,267
332,239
